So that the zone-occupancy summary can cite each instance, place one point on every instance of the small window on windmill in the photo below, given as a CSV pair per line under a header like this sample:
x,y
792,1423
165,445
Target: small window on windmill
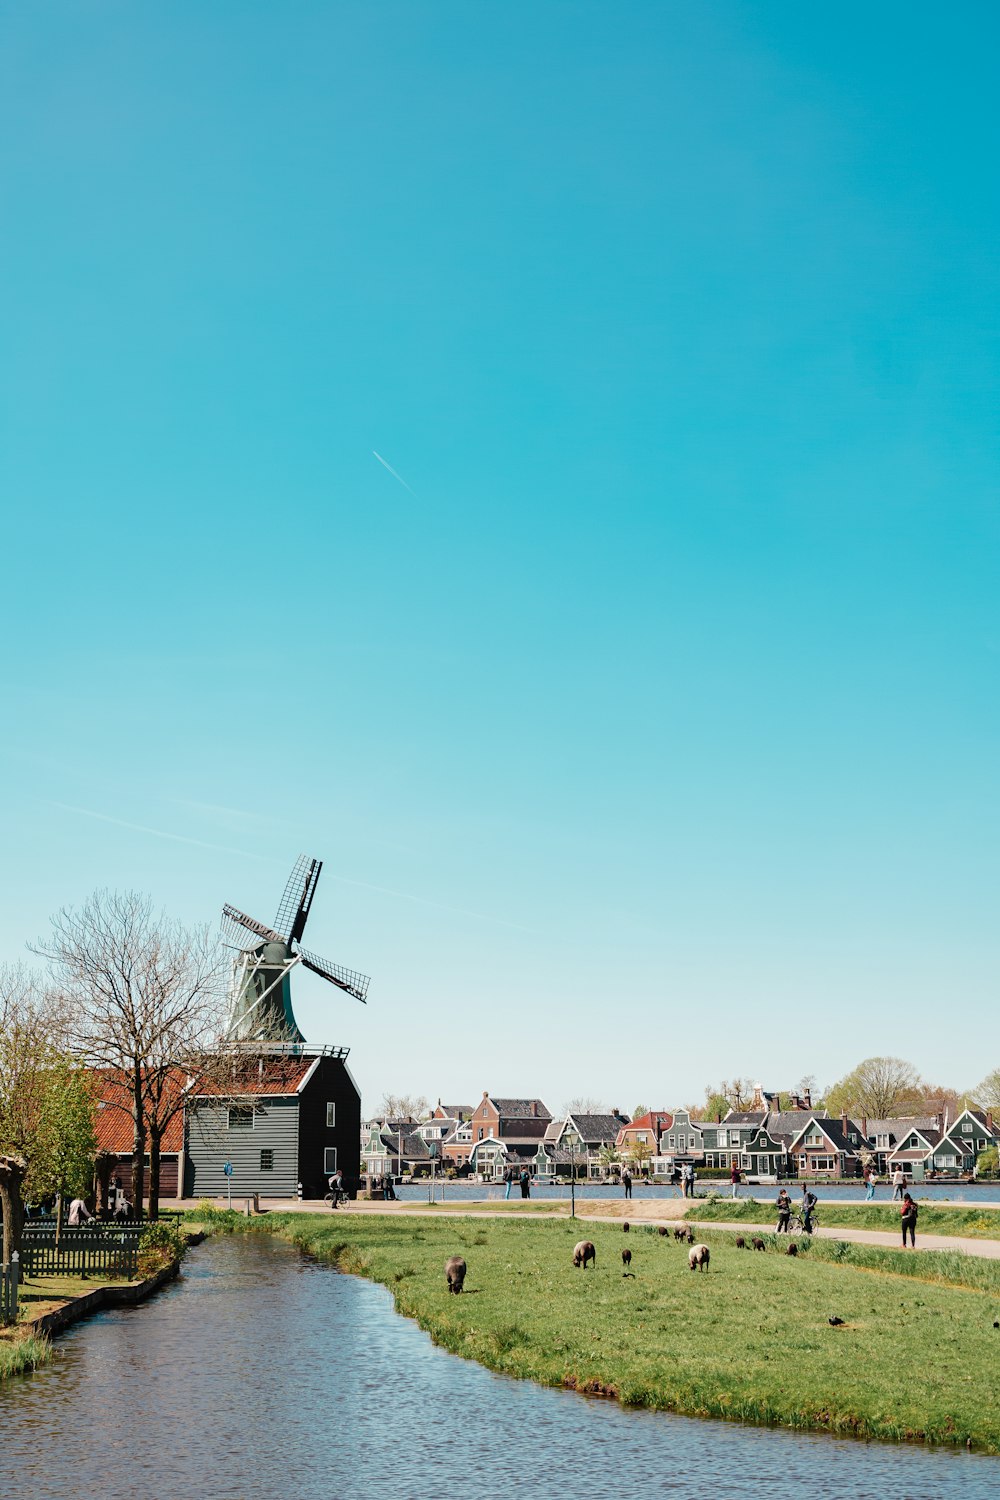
x,y
267,1161
331,1116
330,1160
241,1117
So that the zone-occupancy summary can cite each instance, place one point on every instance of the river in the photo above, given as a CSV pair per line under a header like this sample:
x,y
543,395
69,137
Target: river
x,y
973,1194
261,1375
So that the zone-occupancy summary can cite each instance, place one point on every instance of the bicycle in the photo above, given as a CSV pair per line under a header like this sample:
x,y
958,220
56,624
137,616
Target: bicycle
x,y
335,1199
798,1223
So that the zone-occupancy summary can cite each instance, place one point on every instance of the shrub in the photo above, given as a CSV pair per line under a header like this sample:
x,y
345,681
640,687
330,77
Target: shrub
x,y
159,1245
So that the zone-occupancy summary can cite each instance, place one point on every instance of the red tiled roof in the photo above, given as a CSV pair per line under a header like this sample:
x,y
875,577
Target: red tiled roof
x,y
113,1124
270,1075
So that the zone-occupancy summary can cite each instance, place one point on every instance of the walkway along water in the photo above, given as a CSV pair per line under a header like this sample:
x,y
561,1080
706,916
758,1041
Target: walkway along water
x,y
261,1374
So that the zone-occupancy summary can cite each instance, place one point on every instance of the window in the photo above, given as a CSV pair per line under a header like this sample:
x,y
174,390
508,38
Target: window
x,y
331,1116
267,1161
966,1127
241,1117
479,1132
822,1163
329,1160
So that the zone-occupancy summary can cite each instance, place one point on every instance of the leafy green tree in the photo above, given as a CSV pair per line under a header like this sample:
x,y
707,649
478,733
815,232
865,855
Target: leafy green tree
x,y
639,1111
46,1106
716,1105
987,1162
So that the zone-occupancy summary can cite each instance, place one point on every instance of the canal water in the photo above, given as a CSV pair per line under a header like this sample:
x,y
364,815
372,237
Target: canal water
x,y
969,1193
261,1375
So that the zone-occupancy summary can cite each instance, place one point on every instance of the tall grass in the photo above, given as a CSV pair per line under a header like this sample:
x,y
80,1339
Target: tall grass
x,y
19,1355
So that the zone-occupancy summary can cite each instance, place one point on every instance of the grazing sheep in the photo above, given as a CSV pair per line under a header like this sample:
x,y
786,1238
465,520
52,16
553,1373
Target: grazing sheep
x,y
680,1234
625,1227
741,1243
759,1244
626,1258
690,1236
454,1270
792,1250
663,1229
698,1257
835,1322
583,1252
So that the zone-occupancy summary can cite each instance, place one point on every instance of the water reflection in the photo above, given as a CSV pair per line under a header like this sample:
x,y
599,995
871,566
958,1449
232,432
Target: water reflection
x,y
262,1374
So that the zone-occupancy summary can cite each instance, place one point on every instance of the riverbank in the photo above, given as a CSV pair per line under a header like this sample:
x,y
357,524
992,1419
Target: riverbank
x,y
913,1359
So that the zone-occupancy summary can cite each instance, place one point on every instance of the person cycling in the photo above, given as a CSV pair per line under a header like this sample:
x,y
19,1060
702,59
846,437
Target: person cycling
x,y
336,1193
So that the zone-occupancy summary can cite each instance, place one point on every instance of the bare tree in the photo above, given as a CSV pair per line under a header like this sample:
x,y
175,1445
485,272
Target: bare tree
x,y
879,1087
404,1106
144,997
585,1106
987,1095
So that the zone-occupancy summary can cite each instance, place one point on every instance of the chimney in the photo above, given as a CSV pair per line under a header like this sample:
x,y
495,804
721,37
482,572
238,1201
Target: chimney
x,y
807,1101
989,1121
534,1109
843,1123
940,1120
864,1126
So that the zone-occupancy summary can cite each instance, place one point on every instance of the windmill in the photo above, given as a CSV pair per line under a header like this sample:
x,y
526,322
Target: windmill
x,y
264,957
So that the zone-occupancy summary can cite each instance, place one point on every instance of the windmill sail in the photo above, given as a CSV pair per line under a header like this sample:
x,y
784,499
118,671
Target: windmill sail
x,y
265,957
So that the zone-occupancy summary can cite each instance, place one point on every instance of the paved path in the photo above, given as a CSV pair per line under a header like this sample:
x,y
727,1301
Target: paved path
x,y
668,1211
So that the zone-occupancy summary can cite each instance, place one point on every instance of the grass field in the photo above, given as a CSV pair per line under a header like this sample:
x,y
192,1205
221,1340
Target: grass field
x,y
915,1360
970,1223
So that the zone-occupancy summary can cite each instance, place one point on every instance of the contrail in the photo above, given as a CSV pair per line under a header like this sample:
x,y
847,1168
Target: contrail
x,y
393,472
177,838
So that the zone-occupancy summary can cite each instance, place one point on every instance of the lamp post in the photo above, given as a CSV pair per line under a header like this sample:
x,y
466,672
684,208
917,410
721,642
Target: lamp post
x,y
572,1180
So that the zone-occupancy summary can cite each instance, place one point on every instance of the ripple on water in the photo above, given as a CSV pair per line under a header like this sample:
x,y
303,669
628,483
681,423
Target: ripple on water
x,y
261,1375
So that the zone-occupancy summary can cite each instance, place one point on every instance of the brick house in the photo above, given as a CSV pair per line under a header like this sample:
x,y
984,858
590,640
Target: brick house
x,y
505,1131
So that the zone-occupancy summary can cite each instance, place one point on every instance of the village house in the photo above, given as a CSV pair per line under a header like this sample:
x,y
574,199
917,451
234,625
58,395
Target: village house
x,y
828,1148
939,1148
506,1132
638,1141
114,1129
284,1118
681,1144
584,1142
394,1148
442,1124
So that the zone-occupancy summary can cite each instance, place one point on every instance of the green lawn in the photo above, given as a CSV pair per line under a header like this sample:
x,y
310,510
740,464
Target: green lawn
x,y
749,1339
971,1223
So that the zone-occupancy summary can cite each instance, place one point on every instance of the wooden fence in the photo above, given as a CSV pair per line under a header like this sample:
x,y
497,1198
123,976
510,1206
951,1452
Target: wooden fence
x,y
9,1278
111,1252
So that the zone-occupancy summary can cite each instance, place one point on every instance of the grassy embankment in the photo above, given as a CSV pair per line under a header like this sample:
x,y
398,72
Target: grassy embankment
x,y
968,1222
749,1340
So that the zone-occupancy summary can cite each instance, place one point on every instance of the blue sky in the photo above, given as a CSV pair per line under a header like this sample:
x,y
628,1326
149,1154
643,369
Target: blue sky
x,y
648,723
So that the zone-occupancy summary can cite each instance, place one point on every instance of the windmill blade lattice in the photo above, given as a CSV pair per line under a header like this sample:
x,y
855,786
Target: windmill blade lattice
x,y
241,931
348,979
294,905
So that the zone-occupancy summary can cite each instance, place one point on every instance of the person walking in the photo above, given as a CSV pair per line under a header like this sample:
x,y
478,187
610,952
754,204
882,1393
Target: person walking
x,y
689,1180
735,1178
79,1214
908,1220
525,1183
809,1201
627,1181
898,1183
784,1206
508,1179
870,1181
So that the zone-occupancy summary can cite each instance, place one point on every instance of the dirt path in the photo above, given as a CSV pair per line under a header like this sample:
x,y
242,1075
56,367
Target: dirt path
x,y
647,1211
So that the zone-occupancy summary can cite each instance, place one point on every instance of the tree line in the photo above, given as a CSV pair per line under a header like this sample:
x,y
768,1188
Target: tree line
x,y
129,1002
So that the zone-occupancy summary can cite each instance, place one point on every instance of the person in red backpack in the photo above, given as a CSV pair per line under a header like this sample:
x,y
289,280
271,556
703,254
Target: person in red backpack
x,y
908,1219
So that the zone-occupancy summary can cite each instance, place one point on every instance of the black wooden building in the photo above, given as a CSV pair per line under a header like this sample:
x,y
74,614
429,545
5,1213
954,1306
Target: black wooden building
x,y
284,1116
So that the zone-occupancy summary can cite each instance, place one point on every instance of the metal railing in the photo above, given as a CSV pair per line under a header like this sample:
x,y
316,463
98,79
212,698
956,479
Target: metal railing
x,y
9,1278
